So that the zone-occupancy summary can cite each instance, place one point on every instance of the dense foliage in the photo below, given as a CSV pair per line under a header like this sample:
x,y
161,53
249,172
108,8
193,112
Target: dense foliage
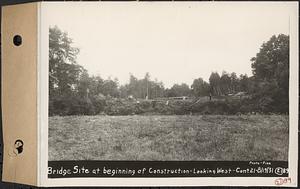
x,y
72,91
271,72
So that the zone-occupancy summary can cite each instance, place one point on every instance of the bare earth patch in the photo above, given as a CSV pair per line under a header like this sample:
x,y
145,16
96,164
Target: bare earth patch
x,y
207,137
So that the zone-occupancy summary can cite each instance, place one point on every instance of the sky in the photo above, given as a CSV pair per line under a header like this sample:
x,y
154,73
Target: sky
x,y
176,42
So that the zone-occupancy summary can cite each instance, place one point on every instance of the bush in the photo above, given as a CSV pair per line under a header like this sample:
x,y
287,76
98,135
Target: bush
x,y
116,106
99,103
121,107
214,107
71,106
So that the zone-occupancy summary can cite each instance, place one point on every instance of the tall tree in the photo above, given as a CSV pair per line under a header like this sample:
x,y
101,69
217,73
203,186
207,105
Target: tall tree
x,y
225,83
133,86
147,86
110,87
272,61
200,87
271,70
179,90
84,85
214,81
64,71
244,83
234,82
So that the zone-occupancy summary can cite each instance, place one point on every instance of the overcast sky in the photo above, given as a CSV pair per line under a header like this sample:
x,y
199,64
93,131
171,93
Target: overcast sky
x,y
174,42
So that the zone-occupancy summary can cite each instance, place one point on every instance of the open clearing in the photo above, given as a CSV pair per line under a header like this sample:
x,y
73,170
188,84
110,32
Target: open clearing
x,y
184,137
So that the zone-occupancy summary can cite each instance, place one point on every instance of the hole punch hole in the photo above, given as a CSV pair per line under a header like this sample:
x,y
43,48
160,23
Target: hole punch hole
x,y
18,147
17,40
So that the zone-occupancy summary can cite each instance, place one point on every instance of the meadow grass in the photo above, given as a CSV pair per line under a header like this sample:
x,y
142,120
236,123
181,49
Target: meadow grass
x,y
184,137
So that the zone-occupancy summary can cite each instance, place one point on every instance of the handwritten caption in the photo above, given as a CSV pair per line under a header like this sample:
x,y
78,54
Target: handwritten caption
x,y
282,181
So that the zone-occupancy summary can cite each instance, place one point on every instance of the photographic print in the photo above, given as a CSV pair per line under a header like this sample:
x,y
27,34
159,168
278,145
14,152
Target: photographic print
x,y
196,86
169,90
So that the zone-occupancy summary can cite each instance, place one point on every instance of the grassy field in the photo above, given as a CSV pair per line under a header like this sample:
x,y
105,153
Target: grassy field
x,y
207,137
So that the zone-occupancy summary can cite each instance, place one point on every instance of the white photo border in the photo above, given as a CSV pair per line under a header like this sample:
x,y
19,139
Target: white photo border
x,y
42,102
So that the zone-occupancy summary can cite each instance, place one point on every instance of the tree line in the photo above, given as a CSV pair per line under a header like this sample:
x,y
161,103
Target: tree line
x,y
70,84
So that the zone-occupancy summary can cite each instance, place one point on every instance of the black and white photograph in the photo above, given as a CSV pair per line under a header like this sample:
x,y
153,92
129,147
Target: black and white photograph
x,y
161,82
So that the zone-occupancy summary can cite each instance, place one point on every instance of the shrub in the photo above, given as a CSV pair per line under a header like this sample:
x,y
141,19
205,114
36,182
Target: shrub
x,y
99,103
71,106
121,107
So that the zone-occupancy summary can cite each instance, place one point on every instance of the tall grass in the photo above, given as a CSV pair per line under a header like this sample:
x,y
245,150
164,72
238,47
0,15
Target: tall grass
x,y
181,137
